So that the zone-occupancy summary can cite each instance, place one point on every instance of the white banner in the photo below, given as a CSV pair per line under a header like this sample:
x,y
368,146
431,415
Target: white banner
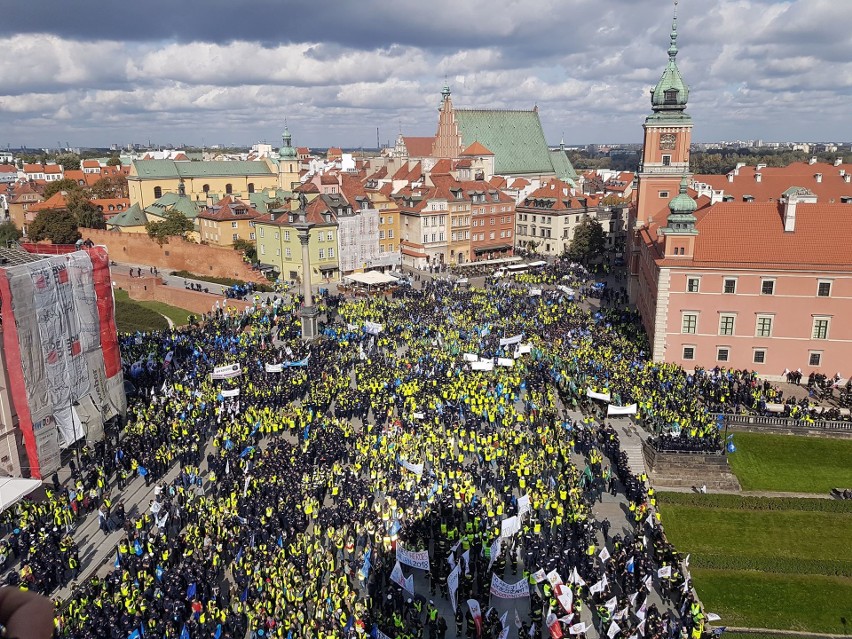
x,y
418,415
496,549
502,590
274,368
565,597
417,469
577,628
453,584
505,361
554,578
416,559
508,341
665,572
373,328
621,410
470,357
232,392
523,505
482,366
510,526
539,575
226,372
535,292
351,327
604,397
523,349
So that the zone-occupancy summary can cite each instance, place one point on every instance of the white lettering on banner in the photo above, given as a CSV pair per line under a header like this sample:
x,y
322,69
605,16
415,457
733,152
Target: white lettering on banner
x,y
621,410
487,365
274,368
416,559
523,505
604,397
505,361
453,584
233,392
510,526
226,372
470,357
508,341
502,590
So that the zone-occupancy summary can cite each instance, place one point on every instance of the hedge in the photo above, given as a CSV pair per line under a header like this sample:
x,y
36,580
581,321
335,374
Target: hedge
x,y
778,565
739,502
222,281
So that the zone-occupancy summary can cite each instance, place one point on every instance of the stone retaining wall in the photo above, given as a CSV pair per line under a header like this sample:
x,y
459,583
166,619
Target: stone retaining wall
x,y
683,470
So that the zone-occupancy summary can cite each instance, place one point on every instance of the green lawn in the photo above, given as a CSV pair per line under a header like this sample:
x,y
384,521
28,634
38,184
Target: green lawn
x,y
784,564
131,316
790,463
177,315
781,602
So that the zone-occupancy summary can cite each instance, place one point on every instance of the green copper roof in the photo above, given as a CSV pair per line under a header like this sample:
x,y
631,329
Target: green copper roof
x,y
176,202
287,152
681,217
134,216
515,138
153,169
563,167
671,92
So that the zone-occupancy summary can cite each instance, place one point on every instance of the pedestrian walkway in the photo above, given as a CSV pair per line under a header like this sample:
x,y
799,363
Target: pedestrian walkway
x,y
751,493
631,438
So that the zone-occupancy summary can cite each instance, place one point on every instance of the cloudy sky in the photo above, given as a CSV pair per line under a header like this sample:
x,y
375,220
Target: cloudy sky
x,y
224,71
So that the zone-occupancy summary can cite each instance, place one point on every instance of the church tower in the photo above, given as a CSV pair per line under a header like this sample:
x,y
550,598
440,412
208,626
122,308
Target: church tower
x,y
679,233
448,140
288,163
668,134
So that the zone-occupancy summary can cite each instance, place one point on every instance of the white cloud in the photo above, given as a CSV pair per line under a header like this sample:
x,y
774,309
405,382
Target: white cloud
x,y
756,68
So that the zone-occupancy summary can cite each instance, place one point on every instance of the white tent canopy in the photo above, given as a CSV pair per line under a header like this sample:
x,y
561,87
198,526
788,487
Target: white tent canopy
x,y
371,278
13,489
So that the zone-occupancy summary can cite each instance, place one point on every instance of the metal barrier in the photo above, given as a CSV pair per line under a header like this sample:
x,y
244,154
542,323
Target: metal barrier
x,y
785,422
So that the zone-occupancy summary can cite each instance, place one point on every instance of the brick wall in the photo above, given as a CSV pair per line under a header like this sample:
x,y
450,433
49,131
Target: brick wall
x,y
152,289
177,255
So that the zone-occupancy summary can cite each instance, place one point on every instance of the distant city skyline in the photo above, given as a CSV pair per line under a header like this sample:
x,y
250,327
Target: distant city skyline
x,y
212,71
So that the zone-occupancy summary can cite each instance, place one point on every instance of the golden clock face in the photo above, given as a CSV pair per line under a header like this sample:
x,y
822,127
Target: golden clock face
x,y
668,141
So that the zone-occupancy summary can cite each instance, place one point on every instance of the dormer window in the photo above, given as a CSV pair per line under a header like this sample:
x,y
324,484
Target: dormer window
x,y
670,96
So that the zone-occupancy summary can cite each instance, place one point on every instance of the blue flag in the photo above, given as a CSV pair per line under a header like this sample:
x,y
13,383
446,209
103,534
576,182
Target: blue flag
x,y
631,566
239,555
280,541
117,563
190,591
159,573
137,548
218,632
134,635
184,633
247,451
142,471
244,595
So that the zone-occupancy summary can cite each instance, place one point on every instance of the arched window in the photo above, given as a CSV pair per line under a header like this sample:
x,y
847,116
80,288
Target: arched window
x,y
111,207
158,192
251,187
229,189
205,188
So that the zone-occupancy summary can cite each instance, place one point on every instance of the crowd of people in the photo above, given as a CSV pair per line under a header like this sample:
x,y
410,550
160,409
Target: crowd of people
x,y
457,425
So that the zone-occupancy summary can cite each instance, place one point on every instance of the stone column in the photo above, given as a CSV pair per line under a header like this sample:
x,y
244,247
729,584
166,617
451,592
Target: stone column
x,y
309,311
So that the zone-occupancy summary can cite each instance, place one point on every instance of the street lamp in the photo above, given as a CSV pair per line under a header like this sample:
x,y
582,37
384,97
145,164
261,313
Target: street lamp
x,y
308,313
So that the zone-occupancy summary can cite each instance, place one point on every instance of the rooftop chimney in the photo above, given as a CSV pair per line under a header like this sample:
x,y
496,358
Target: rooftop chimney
x,y
818,177
758,177
813,160
731,176
760,166
846,178
790,213
838,161
842,172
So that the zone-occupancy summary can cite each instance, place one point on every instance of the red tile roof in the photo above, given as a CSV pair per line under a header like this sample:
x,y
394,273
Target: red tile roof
x,y
560,194
229,209
476,149
55,201
8,168
33,168
775,180
91,164
418,147
442,167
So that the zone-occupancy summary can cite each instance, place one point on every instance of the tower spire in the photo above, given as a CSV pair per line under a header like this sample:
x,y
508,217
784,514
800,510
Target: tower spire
x,y
673,36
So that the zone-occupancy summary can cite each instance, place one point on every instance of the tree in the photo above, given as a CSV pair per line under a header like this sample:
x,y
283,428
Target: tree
x,y
588,242
69,161
65,184
57,225
84,211
111,186
114,161
9,233
247,248
174,224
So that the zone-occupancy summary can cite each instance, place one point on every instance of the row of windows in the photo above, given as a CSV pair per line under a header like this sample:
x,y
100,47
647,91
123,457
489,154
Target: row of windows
x,y
229,189
288,253
328,236
382,234
758,355
767,286
389,219
391,248
763,325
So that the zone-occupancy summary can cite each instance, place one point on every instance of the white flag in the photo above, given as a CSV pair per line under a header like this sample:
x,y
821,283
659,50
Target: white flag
x,y
665,571
576,578
504,619
577,628
539,575
611,604
613,630
604,555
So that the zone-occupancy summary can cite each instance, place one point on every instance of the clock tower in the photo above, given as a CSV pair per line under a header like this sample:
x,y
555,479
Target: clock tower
x,y
668,134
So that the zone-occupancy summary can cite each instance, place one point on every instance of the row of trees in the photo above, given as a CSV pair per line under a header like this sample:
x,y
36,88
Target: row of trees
x,y
725,160
69,161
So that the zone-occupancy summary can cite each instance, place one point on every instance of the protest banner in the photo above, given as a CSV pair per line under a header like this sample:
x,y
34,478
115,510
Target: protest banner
x,y
487,365
274,368
232,392
373,328
503,590
510,526
523,505
506,362
226,372
417,469
508,341
414,558
604,397
453,584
